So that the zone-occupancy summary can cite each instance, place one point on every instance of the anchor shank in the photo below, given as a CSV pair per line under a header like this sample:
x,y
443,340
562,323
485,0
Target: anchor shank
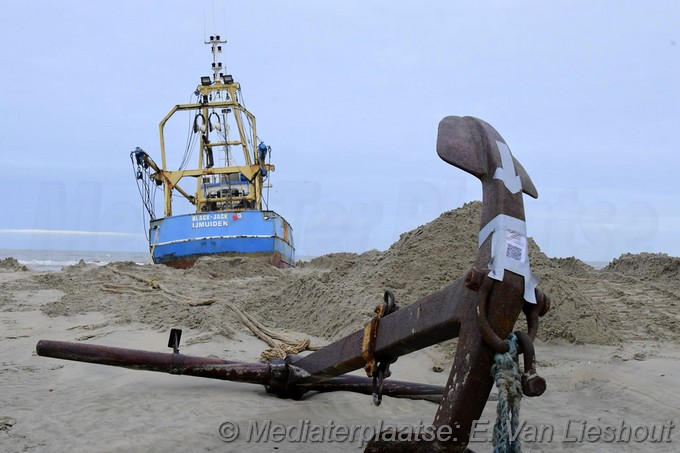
x,y
470,381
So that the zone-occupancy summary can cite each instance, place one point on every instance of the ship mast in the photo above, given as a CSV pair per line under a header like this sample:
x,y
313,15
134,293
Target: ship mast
x,y
221,184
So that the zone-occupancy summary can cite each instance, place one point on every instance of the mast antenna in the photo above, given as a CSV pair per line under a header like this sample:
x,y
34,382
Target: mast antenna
x,y
213,14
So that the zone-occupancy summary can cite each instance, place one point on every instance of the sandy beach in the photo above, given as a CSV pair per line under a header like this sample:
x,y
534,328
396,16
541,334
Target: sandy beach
x,y
608,349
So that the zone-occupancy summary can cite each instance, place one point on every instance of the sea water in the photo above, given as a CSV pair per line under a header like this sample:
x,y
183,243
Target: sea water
x,y
54,260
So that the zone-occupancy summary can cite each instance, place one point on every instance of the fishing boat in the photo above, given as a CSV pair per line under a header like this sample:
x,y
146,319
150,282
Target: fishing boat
x,y
224,191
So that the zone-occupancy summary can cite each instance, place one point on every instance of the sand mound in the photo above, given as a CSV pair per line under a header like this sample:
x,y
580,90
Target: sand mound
x,y
340,298
647,266
573,266
341,294
228,268
334,295
10,264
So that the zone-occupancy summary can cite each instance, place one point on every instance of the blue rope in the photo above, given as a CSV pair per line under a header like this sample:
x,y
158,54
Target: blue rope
x,y
506,374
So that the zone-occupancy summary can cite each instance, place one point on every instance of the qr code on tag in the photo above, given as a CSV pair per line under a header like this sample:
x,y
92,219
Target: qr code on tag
x,y
516,247
514,252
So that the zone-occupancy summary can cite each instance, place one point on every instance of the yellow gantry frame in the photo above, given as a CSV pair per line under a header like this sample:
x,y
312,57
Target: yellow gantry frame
x,y
250,170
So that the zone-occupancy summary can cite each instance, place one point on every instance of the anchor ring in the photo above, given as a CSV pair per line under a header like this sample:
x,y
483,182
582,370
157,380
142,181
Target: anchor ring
x,y
488,335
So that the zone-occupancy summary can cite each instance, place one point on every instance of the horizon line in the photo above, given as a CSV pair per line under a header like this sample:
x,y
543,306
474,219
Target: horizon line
x,y
68,232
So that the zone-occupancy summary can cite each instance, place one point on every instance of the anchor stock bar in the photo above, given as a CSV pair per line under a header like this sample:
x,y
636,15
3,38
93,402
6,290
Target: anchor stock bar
x,y
391,387
254,373
212,368
431,320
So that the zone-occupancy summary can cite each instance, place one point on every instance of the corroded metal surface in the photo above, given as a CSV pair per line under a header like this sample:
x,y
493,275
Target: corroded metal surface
x,y
207,367
256,373
476,147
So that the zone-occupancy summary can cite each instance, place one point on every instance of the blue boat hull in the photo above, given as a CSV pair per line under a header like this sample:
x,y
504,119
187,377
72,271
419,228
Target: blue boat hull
x,y
179,240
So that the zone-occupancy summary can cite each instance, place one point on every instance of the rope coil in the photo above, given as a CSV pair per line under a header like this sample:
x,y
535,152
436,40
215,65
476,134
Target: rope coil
x,y
508,380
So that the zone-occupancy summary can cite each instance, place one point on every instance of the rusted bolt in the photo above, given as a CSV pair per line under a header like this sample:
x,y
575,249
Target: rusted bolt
x,y
474,279
533,384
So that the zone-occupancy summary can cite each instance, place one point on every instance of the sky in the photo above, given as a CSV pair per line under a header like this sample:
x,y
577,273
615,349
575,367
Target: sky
x,y
349,94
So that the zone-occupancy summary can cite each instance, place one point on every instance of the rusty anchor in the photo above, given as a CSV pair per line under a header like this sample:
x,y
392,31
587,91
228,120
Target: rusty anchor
x,y
481,309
